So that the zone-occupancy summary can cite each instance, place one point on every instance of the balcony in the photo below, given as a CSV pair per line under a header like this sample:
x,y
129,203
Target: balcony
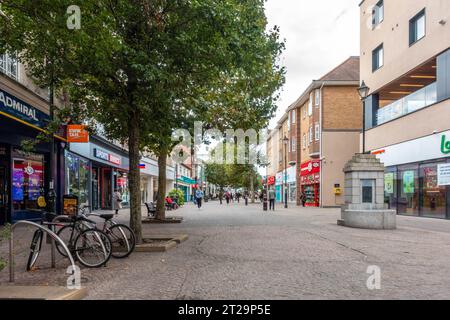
x,y
418,100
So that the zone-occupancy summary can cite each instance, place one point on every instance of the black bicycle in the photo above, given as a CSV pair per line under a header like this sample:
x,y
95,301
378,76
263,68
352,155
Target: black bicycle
x,y
91,247
123,239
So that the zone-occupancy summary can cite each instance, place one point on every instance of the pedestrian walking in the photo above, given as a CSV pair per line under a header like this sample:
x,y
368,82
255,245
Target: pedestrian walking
x,y
199,196
272,199
303,198
227,197
220,196
117,200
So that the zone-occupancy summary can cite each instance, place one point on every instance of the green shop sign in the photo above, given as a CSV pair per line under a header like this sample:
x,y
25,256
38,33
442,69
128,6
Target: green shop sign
x,y
445,145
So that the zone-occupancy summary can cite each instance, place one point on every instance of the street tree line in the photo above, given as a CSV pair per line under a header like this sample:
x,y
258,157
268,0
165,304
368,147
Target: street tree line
x,y
144,68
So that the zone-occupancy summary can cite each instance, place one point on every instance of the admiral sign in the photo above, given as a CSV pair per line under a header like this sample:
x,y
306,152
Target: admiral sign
x,y
21,110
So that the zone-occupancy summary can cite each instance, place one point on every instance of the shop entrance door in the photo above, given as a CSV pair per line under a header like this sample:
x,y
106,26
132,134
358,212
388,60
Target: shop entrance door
x,y
106,188
95,189
4,201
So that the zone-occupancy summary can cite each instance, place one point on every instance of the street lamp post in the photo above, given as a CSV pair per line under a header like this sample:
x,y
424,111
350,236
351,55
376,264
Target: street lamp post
x,y
286,141
363,91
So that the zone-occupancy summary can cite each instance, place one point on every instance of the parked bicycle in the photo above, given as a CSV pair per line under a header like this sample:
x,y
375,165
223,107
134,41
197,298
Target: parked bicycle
x,y
123,239
91,247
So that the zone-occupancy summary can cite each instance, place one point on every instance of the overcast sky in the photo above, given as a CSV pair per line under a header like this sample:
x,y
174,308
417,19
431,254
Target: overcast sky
x,y
319,34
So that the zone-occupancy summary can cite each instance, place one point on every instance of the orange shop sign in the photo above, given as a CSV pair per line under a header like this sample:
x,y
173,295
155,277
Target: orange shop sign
x,y
77,133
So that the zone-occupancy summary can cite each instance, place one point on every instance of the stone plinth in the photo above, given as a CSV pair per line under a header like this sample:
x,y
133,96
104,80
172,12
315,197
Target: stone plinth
x,y
364,195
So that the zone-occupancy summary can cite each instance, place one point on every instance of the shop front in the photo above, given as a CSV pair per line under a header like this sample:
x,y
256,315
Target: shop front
x,y
286,179
310,182
187,185
149,179
25,176
417,177
94,171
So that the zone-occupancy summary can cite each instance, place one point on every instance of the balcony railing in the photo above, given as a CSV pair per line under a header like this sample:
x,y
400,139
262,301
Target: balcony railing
x,y
413,102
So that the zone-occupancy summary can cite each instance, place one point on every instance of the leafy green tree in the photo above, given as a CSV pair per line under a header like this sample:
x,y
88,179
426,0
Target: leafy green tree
x,y
177,193
144,68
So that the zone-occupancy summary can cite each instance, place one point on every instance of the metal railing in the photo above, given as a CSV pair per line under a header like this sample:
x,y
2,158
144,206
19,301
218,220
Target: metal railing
x,y
46,230
418,100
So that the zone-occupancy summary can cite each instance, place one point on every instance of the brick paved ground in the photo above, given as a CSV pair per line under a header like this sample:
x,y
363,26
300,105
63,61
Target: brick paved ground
x,y
238,252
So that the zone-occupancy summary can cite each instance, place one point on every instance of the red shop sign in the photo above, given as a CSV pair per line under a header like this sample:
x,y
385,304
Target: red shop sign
x,y
310,167
271,180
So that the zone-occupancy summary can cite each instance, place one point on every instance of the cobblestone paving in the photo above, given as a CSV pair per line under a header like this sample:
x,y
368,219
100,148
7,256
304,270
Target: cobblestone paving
x,y
238,252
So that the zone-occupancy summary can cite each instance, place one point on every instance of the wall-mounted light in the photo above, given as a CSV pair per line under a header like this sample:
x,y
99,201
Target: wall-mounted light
x,y
443,22
423,77
408,85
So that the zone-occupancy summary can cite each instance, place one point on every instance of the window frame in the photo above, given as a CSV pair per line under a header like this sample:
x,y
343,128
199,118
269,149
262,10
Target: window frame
x,y
317,132
379,7
310,105
375,54
413,34
293,144
317,97
304,141
310,133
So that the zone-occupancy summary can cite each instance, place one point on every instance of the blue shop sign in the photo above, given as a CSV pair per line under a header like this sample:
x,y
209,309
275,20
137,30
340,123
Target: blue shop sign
x,y
22,110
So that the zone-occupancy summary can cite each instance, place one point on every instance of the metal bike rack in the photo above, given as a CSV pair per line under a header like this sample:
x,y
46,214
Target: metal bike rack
x,y
46,230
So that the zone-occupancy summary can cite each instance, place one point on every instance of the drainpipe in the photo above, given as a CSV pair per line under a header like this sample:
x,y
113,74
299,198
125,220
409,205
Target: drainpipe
x,y
320,144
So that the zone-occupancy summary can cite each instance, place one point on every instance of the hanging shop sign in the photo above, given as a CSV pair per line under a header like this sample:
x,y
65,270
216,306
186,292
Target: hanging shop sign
x,y
444,174
271,180
77,133
103,155
22,111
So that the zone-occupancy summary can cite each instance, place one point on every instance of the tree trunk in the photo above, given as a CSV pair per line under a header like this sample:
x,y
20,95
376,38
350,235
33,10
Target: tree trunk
x,y
134,176
161,199
252,188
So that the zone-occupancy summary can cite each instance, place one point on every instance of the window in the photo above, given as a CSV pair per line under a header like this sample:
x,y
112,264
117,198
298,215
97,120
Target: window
x,y
378,13
417,27
8,65
317,132
289,122
304,141
377,58
289,146
294,142
293,116
304,113
310,135
317,99
310,109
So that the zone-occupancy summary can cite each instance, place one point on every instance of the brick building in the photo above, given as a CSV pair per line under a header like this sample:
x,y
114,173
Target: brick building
x,y
329,118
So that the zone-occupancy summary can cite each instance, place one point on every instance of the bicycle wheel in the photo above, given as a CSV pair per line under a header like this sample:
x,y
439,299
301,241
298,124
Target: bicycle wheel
x,y
123,240
35,249
65,233
93,248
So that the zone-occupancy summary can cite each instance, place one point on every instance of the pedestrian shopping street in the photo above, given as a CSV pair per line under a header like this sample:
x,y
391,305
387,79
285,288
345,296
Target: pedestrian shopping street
x,y
239,252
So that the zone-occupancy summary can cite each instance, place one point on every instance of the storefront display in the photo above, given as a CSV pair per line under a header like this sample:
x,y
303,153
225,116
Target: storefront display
x,y
28,182
77,177
310,182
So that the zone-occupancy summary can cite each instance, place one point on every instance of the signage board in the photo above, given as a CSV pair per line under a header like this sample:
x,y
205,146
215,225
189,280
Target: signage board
x,y
101,154
21,110
408,182
77,133
444,174
389,183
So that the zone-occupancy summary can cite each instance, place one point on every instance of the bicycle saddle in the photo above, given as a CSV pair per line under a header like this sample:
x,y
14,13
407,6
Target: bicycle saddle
x,y
107,216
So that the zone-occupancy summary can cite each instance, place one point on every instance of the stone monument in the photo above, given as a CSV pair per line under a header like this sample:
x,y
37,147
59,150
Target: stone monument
x,y
364,195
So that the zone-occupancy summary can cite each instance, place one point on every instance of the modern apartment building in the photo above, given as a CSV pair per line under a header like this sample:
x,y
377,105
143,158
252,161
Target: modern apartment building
x,y
329,118
405,63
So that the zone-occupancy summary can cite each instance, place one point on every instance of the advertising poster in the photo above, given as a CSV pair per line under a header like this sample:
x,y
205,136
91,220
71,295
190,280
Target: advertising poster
x,y
389,183
408,182
444,174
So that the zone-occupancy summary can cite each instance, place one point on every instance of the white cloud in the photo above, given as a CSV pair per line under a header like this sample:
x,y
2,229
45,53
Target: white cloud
x,y
319,35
